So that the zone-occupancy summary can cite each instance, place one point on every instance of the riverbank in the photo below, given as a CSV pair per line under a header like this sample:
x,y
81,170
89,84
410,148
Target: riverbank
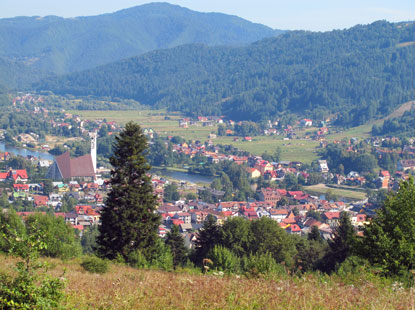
x,y
25,151
182,174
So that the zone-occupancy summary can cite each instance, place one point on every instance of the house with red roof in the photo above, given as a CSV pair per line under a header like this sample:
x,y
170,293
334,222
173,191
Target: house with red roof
x,y
278,214
269,195
40,201
332,218
19,175
21,187
294,229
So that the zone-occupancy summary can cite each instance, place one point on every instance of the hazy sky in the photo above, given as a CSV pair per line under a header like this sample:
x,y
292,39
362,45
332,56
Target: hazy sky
x,y
288,14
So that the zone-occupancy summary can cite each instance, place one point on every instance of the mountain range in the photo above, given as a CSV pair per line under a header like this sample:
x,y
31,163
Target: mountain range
x,y
57,45
357,74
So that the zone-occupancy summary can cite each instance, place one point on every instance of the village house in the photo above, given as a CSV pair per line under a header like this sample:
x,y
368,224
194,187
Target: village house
x,y
14,175
323,167
269,195
306,122
332,218
278,214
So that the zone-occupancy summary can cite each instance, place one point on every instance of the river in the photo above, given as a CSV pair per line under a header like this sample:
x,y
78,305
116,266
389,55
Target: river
x,y
24,152
178,175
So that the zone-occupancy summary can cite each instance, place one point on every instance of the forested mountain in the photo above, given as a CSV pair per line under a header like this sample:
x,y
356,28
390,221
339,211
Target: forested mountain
x,y
360,73
62,45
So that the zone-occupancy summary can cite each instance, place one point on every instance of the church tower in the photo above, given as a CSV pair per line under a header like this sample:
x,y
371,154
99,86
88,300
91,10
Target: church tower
x,y
93,136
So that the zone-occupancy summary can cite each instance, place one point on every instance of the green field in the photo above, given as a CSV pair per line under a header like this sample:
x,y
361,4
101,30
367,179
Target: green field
x,y
167,124
294,150
322,189
152,119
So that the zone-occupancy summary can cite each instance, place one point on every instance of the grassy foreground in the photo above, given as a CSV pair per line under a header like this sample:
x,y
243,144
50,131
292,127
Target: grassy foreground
x,y
127,288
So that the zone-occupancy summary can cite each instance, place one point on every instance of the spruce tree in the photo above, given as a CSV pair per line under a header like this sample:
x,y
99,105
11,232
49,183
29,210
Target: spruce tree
x,y
129,219
207,238
176,244
342,245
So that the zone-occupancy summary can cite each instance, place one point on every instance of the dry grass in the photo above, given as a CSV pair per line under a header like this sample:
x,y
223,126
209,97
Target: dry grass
x,y
127,288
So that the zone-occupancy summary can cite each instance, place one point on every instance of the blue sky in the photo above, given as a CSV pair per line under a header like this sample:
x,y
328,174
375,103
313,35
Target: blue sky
x,y
318,15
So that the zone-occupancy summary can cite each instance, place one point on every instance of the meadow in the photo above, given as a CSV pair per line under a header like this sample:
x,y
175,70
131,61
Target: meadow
x,y
167,124
125,288
341,193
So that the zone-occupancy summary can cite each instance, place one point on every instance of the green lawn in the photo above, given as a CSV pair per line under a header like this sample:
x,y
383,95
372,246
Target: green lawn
x,y
294,150
322,189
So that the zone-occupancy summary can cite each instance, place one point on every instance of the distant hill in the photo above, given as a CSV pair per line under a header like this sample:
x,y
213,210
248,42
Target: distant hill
x,y
360,73
61,45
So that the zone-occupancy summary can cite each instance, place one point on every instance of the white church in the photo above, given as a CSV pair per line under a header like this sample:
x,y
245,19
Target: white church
x,y
79,168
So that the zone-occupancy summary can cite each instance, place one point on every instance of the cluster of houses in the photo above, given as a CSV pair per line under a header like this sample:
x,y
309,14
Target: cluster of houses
x,y
295,218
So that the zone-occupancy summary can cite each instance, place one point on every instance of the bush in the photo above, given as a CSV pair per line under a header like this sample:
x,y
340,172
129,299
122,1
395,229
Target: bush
x,y
224,259
261,264
137,259
30,287
95,264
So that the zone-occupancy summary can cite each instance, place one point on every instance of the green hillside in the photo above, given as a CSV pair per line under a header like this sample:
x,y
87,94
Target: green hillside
x,y
360,73
62,45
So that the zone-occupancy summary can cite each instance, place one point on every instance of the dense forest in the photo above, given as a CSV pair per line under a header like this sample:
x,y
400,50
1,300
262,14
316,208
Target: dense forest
x,y
61,45
359,73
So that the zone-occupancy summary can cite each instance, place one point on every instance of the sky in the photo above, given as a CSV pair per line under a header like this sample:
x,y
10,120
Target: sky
x,y
315,15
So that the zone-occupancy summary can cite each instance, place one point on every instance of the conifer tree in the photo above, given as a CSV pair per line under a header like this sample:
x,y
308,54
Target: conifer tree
x,y
176,244
314,234
129,219
342,245
207,238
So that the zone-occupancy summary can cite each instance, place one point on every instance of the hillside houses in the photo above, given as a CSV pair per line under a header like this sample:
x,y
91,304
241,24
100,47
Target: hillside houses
x,y
15,176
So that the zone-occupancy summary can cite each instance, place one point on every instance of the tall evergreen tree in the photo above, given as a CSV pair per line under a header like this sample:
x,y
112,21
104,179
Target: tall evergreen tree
x,y
129,219
207,238
342,245
176,244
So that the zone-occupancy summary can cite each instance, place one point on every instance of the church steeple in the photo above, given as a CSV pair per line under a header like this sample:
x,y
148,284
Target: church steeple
x,y
93,136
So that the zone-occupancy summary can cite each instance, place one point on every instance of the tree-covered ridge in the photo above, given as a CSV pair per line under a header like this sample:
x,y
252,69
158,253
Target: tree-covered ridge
x,y
362,72
398,126
62,45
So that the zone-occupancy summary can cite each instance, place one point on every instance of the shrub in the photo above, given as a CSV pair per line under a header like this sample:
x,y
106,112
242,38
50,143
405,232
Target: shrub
x,y
137,259
29,288
261,264
95,264
224,259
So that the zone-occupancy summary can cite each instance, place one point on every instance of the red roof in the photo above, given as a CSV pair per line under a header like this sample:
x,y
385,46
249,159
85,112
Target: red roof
x,y
295,228
79,227
295,193
40,200
177,222
21,186
332,215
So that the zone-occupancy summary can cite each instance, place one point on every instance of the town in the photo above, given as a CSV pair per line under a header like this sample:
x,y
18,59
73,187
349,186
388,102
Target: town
x,y
75,188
